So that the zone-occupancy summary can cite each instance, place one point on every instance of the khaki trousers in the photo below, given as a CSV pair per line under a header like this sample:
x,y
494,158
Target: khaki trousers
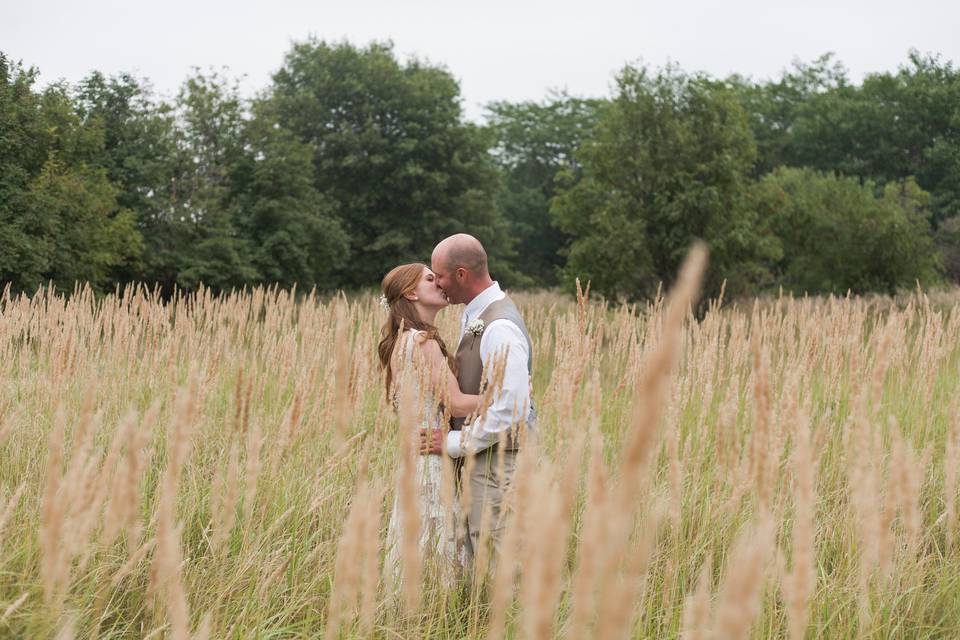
x,y
488,482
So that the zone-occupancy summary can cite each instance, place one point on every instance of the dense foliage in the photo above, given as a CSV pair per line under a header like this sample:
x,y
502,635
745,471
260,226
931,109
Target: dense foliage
x,y
352,161
668,164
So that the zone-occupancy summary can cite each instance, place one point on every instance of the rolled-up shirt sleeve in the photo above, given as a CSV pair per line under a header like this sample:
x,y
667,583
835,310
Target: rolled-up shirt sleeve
x,y
509,402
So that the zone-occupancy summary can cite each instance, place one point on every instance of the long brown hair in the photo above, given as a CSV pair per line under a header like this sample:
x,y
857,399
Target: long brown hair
x,y
402,313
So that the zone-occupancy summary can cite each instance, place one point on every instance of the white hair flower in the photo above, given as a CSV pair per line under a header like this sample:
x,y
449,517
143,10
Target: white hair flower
x,y
384,303
475,326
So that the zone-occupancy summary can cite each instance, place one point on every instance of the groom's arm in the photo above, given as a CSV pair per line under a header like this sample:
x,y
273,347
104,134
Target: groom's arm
x,y
509,401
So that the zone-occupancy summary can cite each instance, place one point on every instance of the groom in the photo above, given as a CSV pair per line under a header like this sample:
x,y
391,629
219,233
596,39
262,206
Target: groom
x,y
490,326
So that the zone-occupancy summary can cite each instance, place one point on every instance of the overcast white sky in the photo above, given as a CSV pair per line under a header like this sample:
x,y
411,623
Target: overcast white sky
x,y
497,49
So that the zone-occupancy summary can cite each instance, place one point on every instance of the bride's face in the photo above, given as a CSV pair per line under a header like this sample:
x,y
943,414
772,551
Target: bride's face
x,y
428,293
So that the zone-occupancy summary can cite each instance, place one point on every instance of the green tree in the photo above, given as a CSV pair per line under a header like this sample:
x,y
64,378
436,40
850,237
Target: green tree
x,y
140,157
773,107
79,232
21,157
60,219
836,234
201,241
948,245
392,152
535,141
890,127
293,229
668,165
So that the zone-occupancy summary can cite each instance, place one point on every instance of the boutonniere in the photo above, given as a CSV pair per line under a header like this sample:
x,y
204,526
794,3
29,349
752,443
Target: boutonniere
x,y
475,327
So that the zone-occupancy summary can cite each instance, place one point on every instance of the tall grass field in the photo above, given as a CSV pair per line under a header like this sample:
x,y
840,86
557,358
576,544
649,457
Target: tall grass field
x,y
225,466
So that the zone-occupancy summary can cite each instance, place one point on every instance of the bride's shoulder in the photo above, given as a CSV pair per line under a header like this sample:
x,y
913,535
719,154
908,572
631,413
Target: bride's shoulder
x,y
413,336
426,345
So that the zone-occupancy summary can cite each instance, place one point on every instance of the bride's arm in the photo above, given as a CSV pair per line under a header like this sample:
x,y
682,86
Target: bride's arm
x,y
459,404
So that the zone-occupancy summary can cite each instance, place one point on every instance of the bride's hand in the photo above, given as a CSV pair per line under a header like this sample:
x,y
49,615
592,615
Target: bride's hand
x,y
431,442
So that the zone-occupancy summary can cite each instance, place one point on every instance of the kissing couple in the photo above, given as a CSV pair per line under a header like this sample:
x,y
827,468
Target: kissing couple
x,y
484,385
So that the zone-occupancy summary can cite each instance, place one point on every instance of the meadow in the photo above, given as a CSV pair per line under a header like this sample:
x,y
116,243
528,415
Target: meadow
x,y
224,467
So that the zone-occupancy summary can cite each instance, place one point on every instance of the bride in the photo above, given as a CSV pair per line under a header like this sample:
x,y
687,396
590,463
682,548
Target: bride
x,y
413,300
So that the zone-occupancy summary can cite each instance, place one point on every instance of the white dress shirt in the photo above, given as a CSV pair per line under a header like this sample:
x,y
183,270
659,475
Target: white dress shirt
x,y
510,402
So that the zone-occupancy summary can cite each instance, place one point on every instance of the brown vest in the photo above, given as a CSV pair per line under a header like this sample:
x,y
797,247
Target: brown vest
x,y
469,362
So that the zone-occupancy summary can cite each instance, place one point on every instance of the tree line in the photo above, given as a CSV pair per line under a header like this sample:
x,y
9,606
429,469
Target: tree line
x,y
352,161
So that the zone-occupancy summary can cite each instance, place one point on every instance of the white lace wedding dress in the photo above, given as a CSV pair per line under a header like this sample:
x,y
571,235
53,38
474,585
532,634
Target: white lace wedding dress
x,y
440,550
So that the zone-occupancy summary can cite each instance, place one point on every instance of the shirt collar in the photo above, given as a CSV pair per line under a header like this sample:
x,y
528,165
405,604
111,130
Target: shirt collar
x,y
478,305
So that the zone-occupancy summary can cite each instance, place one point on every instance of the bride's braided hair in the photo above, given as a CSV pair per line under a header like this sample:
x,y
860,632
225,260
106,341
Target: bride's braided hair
x,y
401,280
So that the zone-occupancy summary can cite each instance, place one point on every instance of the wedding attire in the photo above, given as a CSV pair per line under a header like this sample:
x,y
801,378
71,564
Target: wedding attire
x,y
492,326
438,541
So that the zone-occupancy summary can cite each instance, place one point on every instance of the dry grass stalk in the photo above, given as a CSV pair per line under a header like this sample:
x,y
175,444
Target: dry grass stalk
x,y
9,611
349,565
167,559
289,427
67,630
951,469
132,562
617,604
370,554
546,561
239,401
71,502
592,535
540,573
675,475
668,582
738,600
9,506
277,566
251,475
448,486
654,380
224,496
870,524
760,438
342,358
616,550
503,580
54,565
204,628
123,510
907,476
517,503
482,555
468,463
884,541
696,608
409,503
583,297
798,585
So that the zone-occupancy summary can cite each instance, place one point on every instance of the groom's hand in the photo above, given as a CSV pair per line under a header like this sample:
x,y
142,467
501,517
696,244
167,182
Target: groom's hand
x,y
431,442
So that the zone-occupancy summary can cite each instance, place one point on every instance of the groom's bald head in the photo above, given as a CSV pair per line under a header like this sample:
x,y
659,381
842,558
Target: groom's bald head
x,y
460,265
462,250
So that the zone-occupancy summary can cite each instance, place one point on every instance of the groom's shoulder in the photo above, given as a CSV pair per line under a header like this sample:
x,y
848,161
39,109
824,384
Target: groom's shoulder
x,y
501,307
505,308
504,312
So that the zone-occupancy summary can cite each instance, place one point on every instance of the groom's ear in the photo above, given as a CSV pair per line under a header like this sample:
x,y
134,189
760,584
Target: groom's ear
x,y
461,274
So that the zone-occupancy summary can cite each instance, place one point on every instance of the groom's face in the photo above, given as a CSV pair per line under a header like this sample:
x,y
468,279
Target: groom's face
x,y
446,279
